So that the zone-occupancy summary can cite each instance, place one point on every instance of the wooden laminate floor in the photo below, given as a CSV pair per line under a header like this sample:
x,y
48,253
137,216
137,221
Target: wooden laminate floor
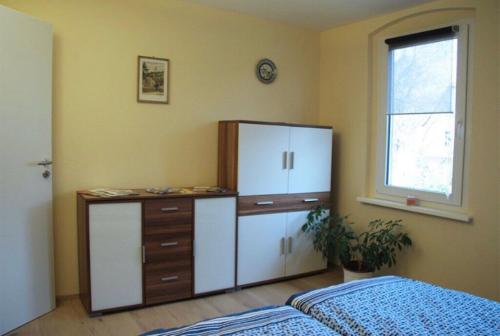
x,y
69,318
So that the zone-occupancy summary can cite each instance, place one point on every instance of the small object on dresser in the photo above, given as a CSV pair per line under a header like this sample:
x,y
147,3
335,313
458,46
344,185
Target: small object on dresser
x,y
216,189
105,192
162,191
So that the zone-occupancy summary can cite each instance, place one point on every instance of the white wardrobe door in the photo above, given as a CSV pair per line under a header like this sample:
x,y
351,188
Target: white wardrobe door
x,y
215,243
115,254
261,247
311,149
261,151
301,256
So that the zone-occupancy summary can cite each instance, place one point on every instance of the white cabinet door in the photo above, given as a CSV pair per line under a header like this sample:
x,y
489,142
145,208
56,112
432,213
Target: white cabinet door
x,y
115,254
215,244
261,250
301,256
261,159
310,159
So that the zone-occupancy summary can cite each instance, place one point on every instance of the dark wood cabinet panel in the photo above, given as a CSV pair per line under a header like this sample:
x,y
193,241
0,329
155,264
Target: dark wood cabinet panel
x,y
167,282
261,204
168,248
178,211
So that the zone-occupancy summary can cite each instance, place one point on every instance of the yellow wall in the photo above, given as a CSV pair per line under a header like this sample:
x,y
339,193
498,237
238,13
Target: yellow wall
x,y
103,137
446,252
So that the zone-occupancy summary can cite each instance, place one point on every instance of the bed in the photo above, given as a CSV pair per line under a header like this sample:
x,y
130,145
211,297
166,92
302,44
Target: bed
x,y
274,320
392,305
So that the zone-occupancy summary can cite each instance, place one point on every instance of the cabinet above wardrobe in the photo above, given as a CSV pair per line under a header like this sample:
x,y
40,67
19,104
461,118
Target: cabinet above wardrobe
x,y
259,158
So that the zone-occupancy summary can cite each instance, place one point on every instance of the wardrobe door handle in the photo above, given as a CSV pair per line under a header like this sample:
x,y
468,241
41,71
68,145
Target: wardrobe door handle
x,y
282,246
292,159
168,244
289,245
285,158
170,278
310,200
169,209
264,203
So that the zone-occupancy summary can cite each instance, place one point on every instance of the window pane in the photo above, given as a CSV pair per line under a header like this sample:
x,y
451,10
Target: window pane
x,y
424,78
420,150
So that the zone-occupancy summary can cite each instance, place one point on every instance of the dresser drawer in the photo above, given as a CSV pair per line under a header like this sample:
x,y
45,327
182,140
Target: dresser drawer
x,y
261,204
168,248
176,210
168,282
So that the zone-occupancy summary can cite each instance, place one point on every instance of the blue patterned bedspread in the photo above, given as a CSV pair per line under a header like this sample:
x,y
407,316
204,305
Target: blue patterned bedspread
x,y
391,305
263,321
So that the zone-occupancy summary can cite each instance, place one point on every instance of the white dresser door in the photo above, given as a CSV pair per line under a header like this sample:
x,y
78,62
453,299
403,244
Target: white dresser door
x,y
310,159
261,159
115,254
261,250
301,256
215,244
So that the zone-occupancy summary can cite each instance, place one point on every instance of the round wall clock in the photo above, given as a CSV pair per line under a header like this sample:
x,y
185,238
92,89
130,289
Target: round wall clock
x,y
266,71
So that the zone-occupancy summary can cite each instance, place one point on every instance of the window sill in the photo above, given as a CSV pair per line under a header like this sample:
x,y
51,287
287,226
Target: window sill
x,y
458,216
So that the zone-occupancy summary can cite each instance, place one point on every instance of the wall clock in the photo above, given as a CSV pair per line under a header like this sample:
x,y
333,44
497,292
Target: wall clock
x,y
266,71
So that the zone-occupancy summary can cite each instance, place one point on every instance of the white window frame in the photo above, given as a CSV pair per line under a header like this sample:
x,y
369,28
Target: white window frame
x,y
455,198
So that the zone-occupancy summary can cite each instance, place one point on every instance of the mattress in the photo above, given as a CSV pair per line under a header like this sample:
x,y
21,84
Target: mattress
x,y
273,320
391,305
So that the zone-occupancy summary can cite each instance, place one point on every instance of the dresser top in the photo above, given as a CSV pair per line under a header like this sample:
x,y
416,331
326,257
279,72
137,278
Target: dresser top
x,y
275,123
141,194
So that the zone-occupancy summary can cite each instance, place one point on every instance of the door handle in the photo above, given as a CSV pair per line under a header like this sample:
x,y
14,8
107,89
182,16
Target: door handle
x,y
167,244
264,203
282,246
285,158
170,278
310,200
169,209
44,163
289,245
292,159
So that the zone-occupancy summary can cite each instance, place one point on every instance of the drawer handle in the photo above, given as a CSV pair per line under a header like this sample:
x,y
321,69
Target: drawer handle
x,y
264,203
169,209
169,244
170,278
310,200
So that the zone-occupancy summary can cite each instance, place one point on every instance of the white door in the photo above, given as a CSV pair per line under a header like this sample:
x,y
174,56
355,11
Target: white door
x,y
261,247
301,256
26,253
214,244
262,168
310,159
115,254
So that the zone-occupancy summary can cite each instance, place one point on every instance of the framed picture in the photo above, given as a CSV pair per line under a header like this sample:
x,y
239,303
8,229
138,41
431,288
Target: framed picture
x,y
152,80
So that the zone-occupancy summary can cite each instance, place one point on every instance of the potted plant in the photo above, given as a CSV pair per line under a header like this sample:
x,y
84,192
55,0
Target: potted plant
x,y
360,254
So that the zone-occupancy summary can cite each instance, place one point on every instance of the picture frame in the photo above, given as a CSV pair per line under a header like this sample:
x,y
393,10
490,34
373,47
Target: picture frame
x,y
152,80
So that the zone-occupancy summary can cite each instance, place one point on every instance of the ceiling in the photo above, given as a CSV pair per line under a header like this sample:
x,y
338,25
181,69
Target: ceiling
x,y
313,14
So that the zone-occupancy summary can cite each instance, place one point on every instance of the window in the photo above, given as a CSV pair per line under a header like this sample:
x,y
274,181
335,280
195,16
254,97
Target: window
x,y
424,118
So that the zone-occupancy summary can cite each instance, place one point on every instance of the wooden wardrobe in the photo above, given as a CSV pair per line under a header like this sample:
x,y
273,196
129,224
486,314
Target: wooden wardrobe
x,y
281,171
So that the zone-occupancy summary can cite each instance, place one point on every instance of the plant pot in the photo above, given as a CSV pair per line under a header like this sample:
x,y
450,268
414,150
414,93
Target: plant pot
x,y
351,272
